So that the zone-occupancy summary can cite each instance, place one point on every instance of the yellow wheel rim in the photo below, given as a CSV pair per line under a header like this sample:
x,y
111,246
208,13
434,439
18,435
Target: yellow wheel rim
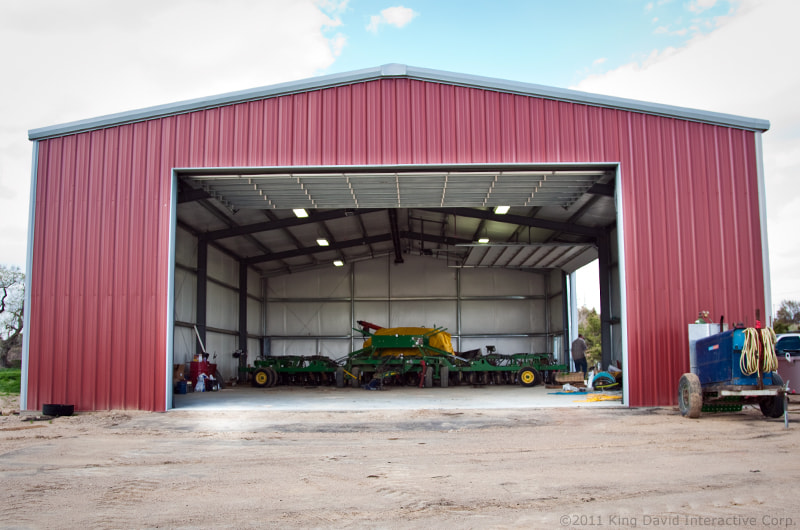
x,y
261,378
527,377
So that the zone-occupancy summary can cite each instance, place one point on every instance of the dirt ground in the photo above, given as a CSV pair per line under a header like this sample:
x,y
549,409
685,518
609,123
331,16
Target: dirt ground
x,y
529,468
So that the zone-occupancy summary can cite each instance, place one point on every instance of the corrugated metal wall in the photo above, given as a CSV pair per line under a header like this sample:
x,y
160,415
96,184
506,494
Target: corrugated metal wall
x,y
99,287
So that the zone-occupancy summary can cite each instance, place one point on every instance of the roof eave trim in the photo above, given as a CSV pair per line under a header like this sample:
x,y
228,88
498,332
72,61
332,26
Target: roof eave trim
x,y
396,70
587,98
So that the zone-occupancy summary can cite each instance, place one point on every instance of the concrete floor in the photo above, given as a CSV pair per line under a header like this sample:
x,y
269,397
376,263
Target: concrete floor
x,y
334,399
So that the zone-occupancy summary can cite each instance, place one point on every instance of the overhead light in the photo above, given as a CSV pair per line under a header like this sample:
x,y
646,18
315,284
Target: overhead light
x,y
501,210
322,242
338,263
300,213
483,240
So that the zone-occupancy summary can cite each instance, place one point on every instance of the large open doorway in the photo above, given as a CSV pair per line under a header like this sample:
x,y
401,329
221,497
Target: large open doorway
x,y
318,249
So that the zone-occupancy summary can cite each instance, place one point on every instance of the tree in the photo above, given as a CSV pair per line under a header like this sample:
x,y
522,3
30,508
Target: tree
x,y
788,317
589,327
12,298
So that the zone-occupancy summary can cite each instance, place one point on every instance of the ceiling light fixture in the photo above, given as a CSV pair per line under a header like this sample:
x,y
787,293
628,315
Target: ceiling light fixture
x,y
483,240
322,242
338,263
501,210
300,213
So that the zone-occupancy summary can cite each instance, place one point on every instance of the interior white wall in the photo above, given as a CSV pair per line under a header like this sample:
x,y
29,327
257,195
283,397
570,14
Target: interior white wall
x,y
313,313
478,307
222,311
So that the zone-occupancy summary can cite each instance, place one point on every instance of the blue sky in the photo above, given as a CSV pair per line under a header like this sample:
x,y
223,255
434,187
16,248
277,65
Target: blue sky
x,y
545,42
65,60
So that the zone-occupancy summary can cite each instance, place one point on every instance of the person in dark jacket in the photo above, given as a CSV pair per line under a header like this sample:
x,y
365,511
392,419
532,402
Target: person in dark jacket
x,y
579,354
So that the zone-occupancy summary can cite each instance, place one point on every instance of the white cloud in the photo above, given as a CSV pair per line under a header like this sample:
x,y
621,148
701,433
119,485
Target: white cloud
x,y
86,58
397,16
374,23
599,61
338,42
744,67
698,6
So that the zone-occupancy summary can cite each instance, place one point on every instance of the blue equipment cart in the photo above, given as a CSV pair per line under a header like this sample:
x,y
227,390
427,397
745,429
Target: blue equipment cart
x,y
731,369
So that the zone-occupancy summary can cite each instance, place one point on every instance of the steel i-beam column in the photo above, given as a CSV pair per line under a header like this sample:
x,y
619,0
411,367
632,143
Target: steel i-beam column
x,y
604,268
202,291
243,306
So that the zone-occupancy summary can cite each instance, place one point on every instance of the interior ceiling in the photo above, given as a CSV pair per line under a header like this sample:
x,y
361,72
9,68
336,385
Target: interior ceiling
x,y
555,215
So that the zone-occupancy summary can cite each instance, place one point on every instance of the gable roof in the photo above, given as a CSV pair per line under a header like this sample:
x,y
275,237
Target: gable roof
x,y
406,72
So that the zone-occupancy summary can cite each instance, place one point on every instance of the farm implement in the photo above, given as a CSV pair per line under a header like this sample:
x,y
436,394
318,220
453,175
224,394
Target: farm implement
x,y
406,356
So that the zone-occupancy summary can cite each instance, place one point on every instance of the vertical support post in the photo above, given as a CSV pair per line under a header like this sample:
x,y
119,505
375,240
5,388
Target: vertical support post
x,y
604,267
563,355
458,309
266,345
243,306
547,324
202,291
352,305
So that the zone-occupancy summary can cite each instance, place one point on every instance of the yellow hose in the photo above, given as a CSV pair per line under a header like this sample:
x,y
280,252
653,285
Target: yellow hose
x,y
748,362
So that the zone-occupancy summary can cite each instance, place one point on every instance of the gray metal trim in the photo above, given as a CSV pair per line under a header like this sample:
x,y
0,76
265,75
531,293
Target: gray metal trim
x,y
762,213
170,342
26,314
587,98
622,311
399,70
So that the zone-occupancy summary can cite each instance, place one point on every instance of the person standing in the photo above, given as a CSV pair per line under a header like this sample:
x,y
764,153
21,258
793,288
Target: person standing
x,y
579,354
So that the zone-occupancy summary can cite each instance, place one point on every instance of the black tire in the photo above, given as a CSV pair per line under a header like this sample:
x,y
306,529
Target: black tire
x,y
261,378
773,406
57,410
340,377
429,377
690,396
444,376
529,377
273,377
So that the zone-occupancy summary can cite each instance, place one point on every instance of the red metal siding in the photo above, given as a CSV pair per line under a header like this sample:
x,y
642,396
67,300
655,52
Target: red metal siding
x,y
99,281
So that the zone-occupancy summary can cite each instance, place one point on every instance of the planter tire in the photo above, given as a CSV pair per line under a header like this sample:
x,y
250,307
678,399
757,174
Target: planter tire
x,y
690,396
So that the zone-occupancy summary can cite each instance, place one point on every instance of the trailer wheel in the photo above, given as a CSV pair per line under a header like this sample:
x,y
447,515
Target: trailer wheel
x,y
529,377
429,377
444,376
260,378
273,377
772,406
690,396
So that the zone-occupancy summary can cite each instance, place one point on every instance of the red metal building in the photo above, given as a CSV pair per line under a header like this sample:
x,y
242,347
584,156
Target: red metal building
x,y
689,228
